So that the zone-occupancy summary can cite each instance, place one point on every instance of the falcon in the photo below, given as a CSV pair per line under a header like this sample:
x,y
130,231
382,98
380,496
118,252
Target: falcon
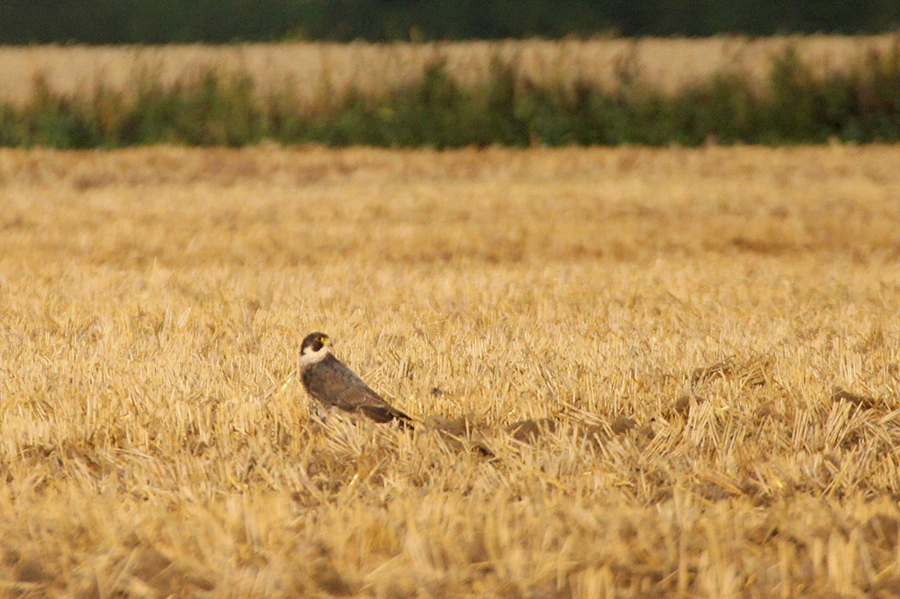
x,y
333,385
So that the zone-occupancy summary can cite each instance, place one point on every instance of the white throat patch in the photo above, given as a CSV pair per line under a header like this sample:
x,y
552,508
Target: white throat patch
x,y
312,357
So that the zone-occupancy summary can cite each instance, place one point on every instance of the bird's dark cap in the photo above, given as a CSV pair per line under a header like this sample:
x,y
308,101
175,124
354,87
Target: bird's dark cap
x,y
315,341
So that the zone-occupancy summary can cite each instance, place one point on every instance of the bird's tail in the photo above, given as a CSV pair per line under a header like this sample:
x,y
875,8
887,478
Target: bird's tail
x,y
387,414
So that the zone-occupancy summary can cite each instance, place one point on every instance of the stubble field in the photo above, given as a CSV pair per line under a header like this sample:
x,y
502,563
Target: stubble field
x,y
712,334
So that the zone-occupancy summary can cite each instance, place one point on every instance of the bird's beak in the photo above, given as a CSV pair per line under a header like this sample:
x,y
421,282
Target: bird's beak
x,y
328,342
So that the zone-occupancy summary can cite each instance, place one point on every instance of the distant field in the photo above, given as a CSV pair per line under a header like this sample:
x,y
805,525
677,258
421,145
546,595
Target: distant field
x,y
713,333
605,92
316,72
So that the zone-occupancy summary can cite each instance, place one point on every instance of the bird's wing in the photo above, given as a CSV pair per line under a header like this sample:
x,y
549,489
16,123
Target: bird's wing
x,y
334,384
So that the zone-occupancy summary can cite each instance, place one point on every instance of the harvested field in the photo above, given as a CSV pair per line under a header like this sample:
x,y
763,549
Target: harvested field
x,y
706,344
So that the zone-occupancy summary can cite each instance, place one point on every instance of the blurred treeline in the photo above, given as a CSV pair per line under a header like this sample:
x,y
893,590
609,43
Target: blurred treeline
x,y
218,21
860,105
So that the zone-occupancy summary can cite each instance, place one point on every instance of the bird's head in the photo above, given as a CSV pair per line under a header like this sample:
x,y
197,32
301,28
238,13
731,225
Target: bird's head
x,y
314,348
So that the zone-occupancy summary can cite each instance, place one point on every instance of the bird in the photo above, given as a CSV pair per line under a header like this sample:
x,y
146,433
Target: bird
x,y
327,380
